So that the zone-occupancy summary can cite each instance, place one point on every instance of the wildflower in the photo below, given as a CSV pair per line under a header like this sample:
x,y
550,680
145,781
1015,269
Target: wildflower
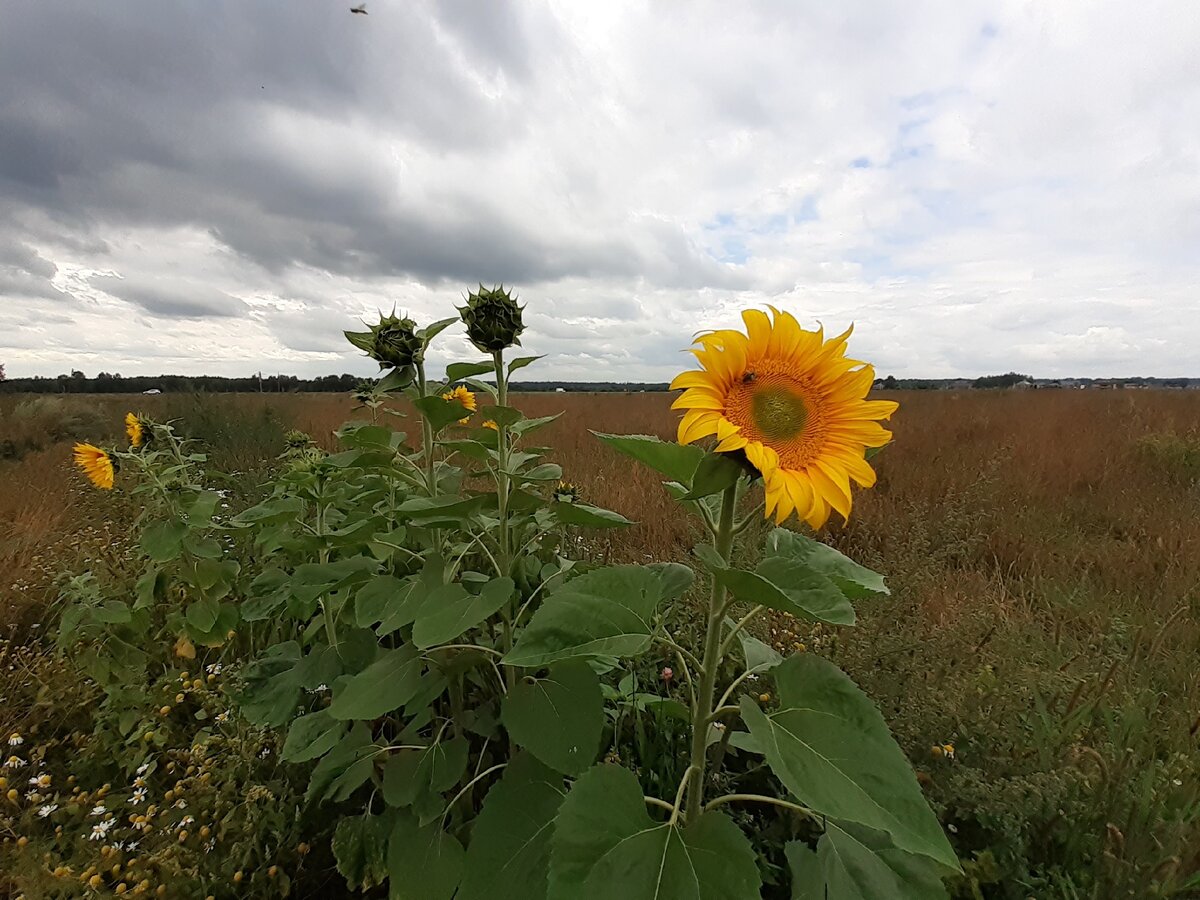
x,y
184,649
45,811
214,669
14,762
793,404
465,397
134,429
98,810
143,768
15,740
493,319
566,492
490,423
101,829
96,464
667,674
41,780
185,822
138,796
943,750
764,698
223,716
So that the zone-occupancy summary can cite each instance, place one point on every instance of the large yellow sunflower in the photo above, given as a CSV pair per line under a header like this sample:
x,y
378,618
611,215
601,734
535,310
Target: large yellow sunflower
x,y
463,396
794,404
96,464
133,428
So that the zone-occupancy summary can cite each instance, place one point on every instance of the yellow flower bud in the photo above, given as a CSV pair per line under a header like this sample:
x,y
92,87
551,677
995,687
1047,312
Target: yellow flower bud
x,y
165,711
95,881
237,877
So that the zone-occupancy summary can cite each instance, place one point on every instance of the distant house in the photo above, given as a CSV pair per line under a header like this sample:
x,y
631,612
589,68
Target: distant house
x,y
1023,385
559,390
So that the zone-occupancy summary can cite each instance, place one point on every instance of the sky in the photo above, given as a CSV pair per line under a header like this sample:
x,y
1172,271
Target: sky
x,y
223,187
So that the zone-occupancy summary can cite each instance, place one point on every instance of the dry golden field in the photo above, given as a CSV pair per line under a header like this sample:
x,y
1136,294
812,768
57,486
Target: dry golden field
x,y
1043,550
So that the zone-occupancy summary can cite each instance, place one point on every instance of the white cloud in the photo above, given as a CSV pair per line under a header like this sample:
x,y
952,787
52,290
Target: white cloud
x,y
979,186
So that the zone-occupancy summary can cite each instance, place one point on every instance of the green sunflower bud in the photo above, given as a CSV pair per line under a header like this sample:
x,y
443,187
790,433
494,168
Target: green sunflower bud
x,y
493,319
393,343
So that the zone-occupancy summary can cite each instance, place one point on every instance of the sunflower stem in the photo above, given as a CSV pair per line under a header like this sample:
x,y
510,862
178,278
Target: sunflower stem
x,y
426,431
502,491
703,707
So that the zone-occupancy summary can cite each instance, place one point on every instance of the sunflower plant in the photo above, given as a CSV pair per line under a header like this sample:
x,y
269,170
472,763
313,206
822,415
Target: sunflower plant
x,y
486,715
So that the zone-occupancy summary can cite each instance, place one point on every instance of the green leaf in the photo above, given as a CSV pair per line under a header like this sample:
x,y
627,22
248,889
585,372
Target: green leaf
x,y
759,656
544,472
450,611
376,598
424,862
790,587
273,685
510,842
439,507
384,686
587,515
558,718
363,340
503,415
606,847
162,541
432,330
440,413
360,850
855,863
855,581
112,612
410,774
521,362
607,612
830,747
397,378
461,370
714,473
344,768
677,461
528,426
311,736
202,615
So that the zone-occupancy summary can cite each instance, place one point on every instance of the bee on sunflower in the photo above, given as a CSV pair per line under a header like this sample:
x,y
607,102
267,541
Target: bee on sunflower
x,y
465,397
794,404
97,464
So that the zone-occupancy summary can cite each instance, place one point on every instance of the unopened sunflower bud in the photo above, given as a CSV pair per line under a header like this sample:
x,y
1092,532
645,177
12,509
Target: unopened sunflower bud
x,y
393,343
493,319
566,492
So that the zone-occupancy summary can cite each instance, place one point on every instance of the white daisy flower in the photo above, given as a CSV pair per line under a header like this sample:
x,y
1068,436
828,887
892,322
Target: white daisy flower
x,y
15,740
138,796
46,810
14,762
98,810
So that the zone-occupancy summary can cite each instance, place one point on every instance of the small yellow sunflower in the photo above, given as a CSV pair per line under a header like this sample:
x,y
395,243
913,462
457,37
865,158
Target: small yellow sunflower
x,y
491,423
794,404
133,428
463,396
96,464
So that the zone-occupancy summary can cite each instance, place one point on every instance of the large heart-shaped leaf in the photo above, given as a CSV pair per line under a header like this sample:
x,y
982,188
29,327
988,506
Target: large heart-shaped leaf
x,y
450,611
606,847
409,774
830,747
588,516
510,840
791,587
608,612
423,862
854,863
384,686
558,718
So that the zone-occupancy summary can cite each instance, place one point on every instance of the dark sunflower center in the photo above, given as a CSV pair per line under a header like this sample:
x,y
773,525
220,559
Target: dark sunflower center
x,y
778,413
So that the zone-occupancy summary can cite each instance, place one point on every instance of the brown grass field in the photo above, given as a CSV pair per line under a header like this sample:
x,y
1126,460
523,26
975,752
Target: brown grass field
x,y
1043,550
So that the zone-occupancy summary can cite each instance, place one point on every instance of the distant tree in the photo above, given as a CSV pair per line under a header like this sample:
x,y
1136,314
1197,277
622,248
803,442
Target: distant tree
x,y
1,371
1000,381
890,383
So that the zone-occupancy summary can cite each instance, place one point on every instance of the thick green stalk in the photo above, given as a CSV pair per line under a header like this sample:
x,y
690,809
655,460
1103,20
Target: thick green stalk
x,y
702,709
502,491
426,433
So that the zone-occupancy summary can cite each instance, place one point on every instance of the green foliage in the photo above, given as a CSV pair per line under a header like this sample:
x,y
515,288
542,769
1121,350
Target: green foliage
x,y
440,676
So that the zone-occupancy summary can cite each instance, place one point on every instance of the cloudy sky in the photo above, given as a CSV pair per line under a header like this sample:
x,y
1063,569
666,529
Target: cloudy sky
x,y
222,187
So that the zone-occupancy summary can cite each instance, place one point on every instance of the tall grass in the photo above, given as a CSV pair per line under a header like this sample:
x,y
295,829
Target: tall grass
x,y
1043,550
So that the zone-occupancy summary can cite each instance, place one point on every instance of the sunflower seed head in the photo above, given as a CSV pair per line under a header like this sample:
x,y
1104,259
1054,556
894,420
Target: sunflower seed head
x,y
493,319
